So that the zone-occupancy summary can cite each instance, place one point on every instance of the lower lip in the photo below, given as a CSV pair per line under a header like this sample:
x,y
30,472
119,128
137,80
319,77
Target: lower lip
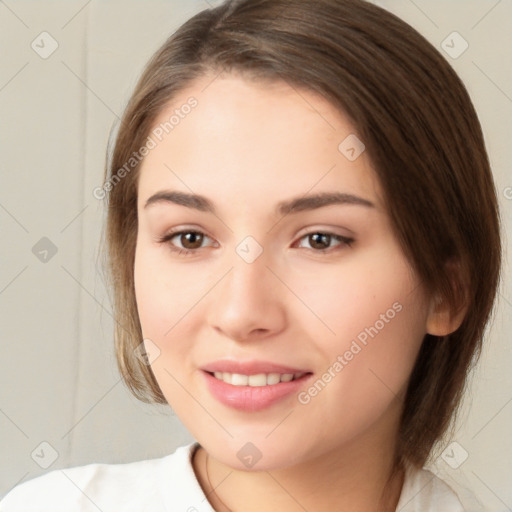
x,y
252,398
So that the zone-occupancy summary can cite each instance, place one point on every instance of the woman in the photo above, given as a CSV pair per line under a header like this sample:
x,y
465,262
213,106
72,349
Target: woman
x,y
303,239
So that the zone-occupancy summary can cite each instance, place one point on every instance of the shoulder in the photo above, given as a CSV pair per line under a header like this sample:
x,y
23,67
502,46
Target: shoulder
x,y
107,487
423,491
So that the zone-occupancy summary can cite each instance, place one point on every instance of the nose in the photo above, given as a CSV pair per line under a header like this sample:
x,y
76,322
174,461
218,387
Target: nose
x,y
249,302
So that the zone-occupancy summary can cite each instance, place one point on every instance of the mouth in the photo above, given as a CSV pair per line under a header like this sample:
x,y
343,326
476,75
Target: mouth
x,y
253,386
257,380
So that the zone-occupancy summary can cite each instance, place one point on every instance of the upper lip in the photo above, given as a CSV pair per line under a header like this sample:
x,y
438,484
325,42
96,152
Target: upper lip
x,y
249,367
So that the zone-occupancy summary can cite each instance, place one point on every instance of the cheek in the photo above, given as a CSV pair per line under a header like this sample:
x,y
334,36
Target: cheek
x,y
170,302
372,294
377,313
164,295
163,304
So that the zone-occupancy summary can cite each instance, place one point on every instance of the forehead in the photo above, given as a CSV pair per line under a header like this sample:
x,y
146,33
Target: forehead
x,y
257,138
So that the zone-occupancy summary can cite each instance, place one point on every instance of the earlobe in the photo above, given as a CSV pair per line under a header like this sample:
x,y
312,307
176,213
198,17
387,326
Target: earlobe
x,y
440,320
445,318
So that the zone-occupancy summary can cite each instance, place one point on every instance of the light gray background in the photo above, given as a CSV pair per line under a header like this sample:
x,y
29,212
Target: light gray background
x,y
58,380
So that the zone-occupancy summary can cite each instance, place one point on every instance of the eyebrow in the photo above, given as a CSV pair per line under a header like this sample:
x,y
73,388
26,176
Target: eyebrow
x,y
297,204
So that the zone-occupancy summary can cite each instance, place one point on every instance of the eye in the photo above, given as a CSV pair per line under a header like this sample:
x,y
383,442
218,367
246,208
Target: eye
x,y
321,241
189,240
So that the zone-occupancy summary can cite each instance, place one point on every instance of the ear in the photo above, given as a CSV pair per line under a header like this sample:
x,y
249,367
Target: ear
x,y
443,317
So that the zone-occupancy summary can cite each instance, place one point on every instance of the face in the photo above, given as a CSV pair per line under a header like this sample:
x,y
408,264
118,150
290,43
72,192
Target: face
x,y
255,283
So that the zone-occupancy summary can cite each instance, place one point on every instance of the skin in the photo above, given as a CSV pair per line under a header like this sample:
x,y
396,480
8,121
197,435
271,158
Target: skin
x,y
246,147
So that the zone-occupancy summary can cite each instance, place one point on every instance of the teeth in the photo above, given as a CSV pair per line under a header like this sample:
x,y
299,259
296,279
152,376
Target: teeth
x,y
258,380
239,380
273,378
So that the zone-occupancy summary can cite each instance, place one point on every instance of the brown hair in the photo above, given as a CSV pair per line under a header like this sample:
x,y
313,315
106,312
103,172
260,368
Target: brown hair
x,y
421,133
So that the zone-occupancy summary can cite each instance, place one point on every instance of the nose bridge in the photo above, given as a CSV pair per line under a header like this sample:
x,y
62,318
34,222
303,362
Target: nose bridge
x,y
249,275
248,297
248,279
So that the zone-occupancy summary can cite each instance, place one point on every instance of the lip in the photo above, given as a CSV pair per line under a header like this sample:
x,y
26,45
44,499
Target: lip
x,y
249,398
250,367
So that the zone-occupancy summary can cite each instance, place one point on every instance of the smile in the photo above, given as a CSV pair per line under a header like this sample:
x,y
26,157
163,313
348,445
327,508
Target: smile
x,y
258,380
253,385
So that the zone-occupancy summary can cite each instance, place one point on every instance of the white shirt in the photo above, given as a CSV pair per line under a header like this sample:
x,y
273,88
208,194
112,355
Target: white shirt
x,y
169,484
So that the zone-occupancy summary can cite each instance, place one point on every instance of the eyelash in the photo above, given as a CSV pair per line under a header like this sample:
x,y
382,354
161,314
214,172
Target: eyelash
x,y
190,252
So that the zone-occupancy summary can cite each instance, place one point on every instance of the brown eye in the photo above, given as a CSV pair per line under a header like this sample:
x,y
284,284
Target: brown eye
x,y
184,243
190,239
320,242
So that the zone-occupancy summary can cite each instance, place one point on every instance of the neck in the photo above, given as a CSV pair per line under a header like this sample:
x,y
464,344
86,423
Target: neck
x,y
351,477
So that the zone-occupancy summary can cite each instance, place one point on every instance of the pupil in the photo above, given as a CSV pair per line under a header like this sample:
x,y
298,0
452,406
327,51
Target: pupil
x,y
192,238
324,240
